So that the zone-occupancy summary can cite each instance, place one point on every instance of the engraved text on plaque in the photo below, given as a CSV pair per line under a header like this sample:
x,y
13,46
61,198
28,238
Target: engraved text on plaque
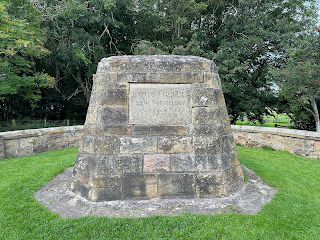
x,y
155,104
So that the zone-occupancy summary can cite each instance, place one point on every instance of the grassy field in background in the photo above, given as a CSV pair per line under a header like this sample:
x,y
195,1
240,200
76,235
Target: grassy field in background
x,y
280,120
294,213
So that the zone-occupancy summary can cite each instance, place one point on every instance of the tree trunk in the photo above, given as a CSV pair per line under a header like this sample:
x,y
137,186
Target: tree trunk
x,y
316,114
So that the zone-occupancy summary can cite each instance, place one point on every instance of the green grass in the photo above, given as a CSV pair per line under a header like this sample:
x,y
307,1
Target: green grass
x,y
281,120
294,213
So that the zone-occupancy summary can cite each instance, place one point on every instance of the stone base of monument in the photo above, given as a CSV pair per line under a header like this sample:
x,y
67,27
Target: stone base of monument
x,y
58,198
156,127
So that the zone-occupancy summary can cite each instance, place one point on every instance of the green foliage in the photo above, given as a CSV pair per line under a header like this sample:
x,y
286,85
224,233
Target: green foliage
x,y
80,33
252,33
21,43
144,47
293,213
298,76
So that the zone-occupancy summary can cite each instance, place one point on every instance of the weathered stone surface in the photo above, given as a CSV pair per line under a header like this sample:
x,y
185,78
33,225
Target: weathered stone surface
x,y
111,190
106,145
129,164
213,129
157,126
102,164
209,185
153,104
112,98
248,199
178,185
42,148
138,144
93,115
175,144
140,186
204,97
183,163
207,144
156,163
113,116
209,115
117,130
159,130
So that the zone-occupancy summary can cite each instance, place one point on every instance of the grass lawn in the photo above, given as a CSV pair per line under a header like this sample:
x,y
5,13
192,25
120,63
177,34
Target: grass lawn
x,y
294,213
281,120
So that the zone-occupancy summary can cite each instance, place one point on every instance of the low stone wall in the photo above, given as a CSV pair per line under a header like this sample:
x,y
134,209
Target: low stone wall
x,y
299,142
28,142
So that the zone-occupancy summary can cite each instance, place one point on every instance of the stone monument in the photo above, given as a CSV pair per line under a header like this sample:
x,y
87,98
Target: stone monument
x,y
156,126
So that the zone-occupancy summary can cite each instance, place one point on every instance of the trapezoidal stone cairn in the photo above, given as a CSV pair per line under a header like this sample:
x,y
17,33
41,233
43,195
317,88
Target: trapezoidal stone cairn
x,y
156,126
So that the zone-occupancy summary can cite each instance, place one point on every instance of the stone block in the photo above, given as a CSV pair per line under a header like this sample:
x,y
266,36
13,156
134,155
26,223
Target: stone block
x,y
209,185
10,145
175,144
207,144
309,144
32,141
317,145
288,148
138,145
57,145
156,163
113,98
112,192
93,115
93,98
117,130
78,188
176,185
91,129
114,116
213,162
40,148
25,151
159,130
103,81
228,143
102,164
178,66
212,129
106,145
212,80
293,142
129,164
233,173
87,143
183,163
205,97
83,160
140,186
233,158
209,115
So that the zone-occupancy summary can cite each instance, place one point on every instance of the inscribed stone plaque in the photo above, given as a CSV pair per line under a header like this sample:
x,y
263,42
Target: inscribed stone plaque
x,y
154,104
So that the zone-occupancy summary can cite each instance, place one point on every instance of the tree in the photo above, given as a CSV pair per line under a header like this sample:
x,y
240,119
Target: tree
x,y
21,43
246,35
80,33
299,76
